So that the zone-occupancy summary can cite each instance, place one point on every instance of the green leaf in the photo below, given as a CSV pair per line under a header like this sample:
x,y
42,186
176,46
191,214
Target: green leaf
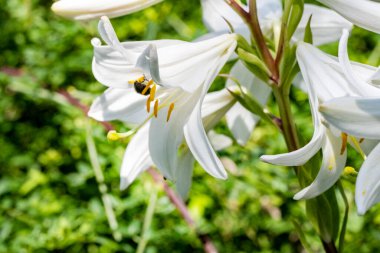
x,y
254,64
308,37
252,105
294,17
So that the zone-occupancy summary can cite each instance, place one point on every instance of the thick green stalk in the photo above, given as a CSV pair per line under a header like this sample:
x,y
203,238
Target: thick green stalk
x,y
288,126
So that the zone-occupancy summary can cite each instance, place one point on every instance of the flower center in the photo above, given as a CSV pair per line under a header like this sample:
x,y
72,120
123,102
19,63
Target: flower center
x,y
148,88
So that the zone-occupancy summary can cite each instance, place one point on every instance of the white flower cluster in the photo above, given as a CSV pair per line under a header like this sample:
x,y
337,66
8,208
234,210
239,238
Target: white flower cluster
x,y
160,88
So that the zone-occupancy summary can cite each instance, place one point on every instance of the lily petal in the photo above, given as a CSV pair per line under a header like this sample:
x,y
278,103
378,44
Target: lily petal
x,y
326,24
216,13
332,166
367,192
363,13
165,138
300,156
136,158
215,106
119,104
92,9
200,146
360,86
219,141
185,174
240,121
353,115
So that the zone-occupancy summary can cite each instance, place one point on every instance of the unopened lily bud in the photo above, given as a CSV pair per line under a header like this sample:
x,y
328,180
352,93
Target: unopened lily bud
x,y
92,9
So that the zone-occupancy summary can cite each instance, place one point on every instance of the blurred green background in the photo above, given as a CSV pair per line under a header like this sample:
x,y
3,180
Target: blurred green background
x,y
49,194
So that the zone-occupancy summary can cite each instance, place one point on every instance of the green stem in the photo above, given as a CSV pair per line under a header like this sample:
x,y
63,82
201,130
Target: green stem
x,y
147,221
288,126
345,218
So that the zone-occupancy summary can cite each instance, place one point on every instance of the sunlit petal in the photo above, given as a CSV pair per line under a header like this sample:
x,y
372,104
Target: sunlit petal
x,y
367,192
333,163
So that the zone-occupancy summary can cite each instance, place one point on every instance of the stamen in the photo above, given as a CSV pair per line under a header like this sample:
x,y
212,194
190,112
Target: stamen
x,y
344,143
156,108
358,147
152,93
147,87
171,108
148,105
361,140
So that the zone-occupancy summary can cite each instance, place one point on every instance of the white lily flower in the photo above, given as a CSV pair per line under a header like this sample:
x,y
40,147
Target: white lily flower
x,y
93,9
363,13
137,158
326,25
174,76
326,78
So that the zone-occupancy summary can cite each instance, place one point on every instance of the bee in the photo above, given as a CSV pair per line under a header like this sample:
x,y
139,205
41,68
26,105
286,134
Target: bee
x,y
142,86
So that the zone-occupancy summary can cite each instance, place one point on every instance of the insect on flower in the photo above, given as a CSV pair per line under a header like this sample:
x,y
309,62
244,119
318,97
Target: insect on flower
x,y
142,85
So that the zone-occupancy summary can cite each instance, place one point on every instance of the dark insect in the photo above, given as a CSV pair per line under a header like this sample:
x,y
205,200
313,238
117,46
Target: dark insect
x,y
140,87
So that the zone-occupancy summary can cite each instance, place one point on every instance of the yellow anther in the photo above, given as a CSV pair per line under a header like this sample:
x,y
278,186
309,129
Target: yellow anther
x,y
148,105
131,81
156,108
171,108
350,171
113,135
361,140
147,87
152,92
344,143
357,146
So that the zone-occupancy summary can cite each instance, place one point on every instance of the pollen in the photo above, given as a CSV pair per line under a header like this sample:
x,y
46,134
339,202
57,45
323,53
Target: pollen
x,y
171,108
156,108
344,143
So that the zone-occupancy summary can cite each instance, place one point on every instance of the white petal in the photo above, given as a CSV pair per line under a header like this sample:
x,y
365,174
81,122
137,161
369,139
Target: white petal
x,y
324,73
215,14
165,138
326,24
367,192
332,166
219,141
136,158
363,13
119,104
355,116
200,146
187,65
375,78
240,121
185,174
300,156
357,84
215,106
91,9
